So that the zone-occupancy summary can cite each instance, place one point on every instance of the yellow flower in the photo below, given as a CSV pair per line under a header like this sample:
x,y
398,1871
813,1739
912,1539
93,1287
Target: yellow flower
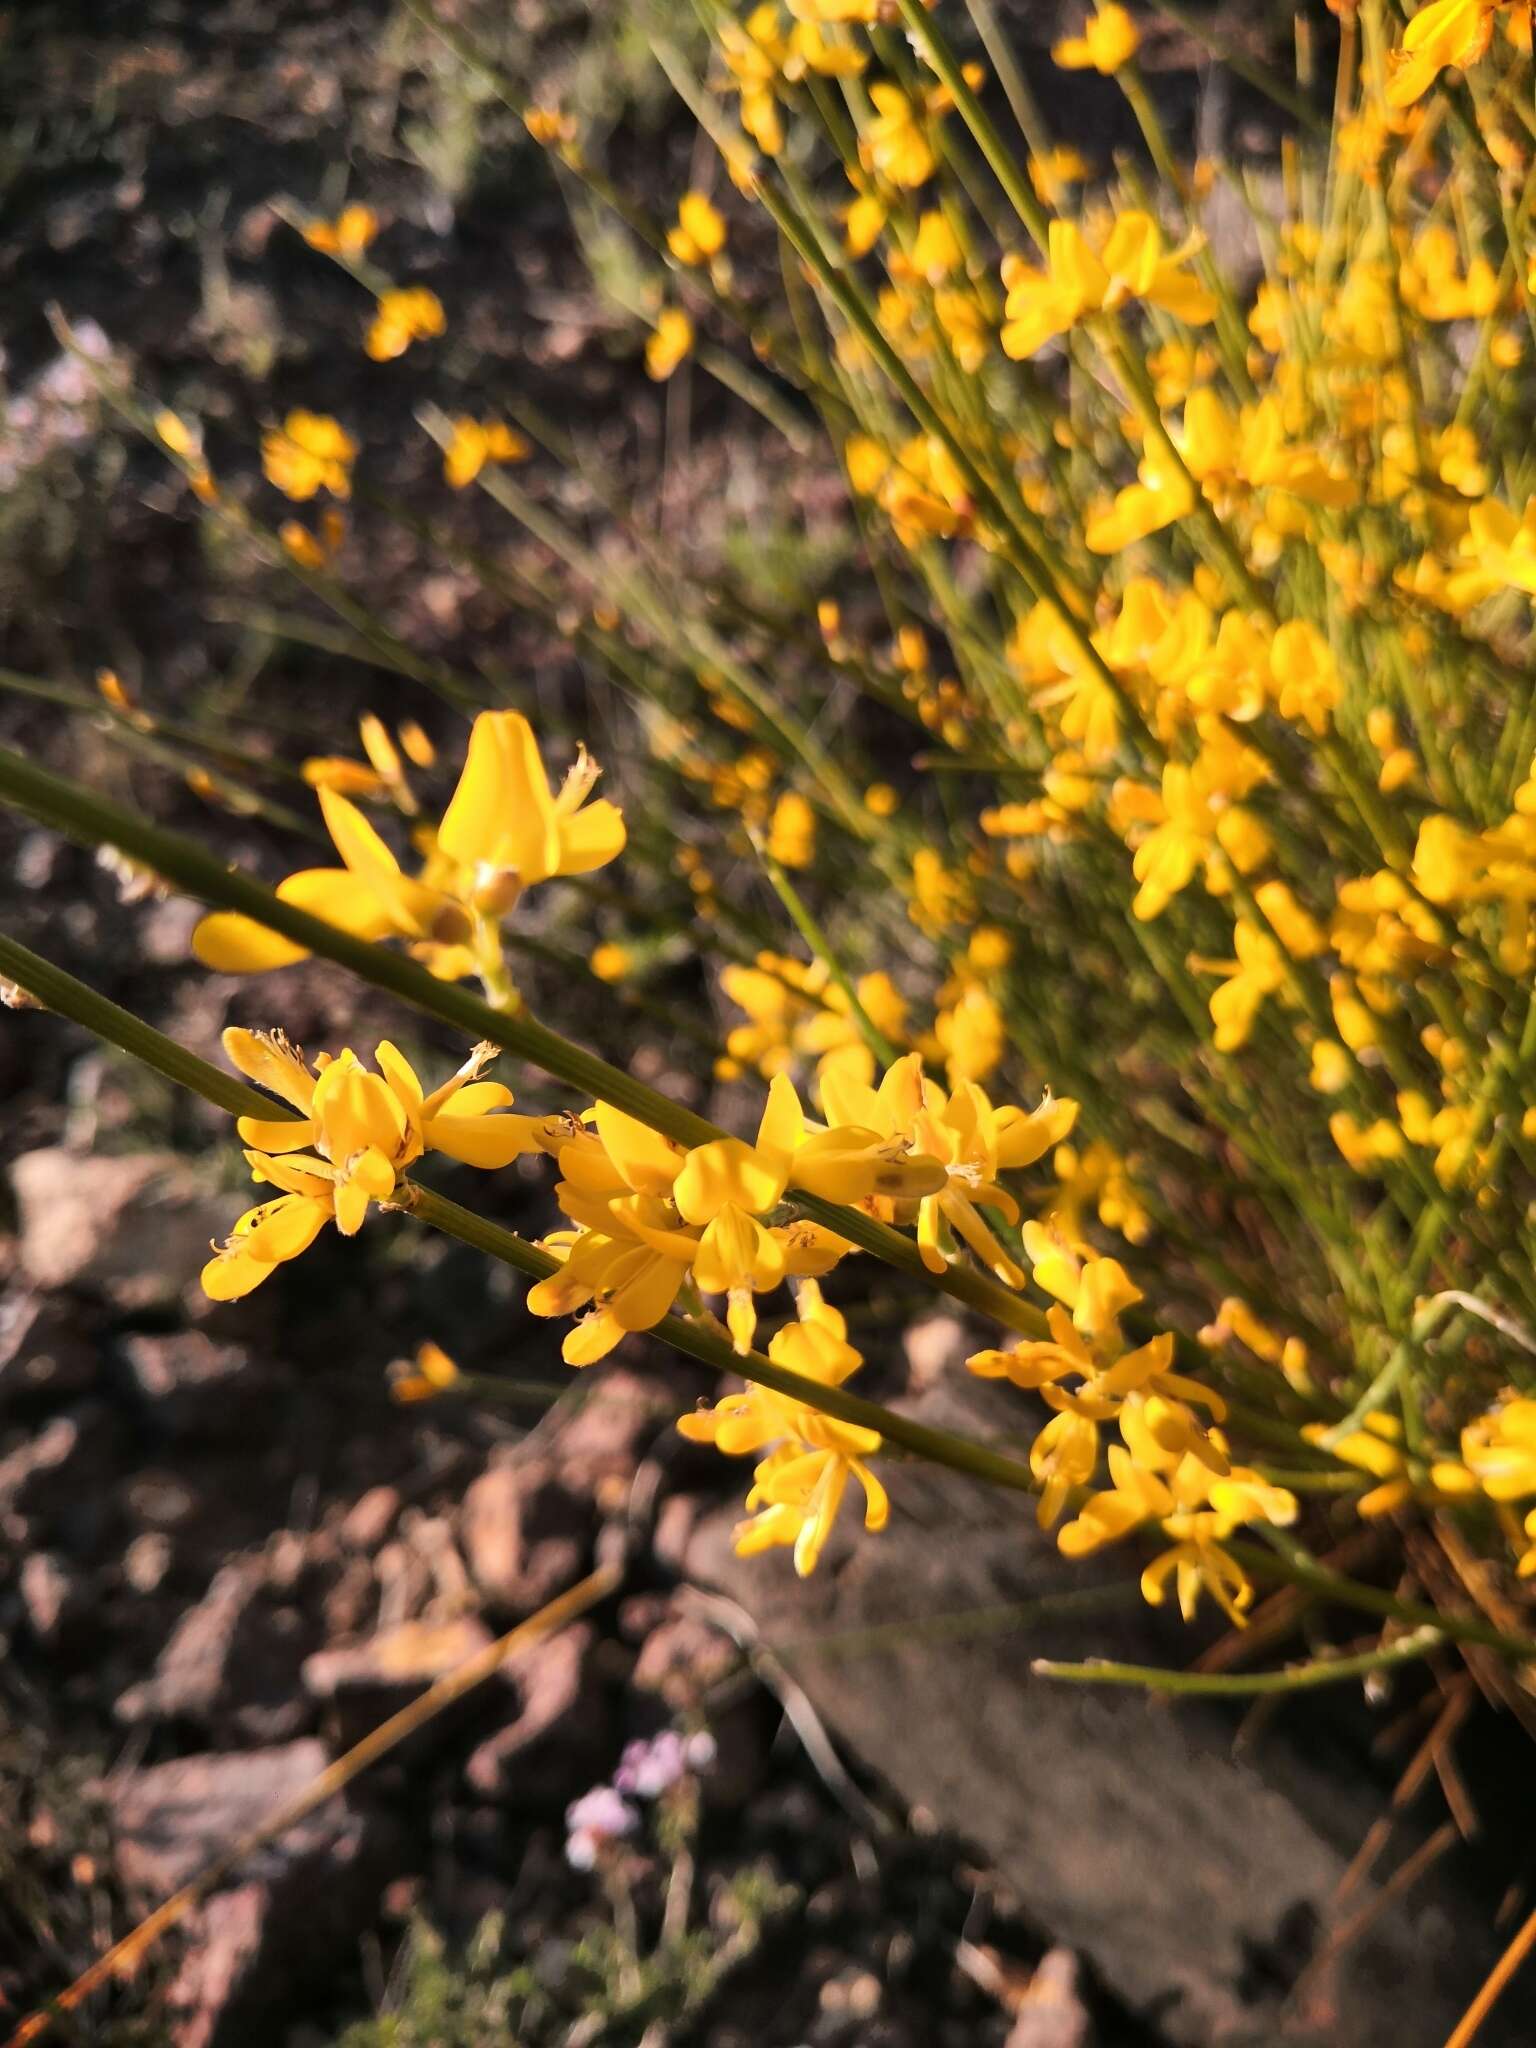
x,y
896,144
972,1036
352,1134
798,1489
669,343
1099,1178
611,962
1051,173
310,452
477,442
700,231
1133,263
1110,38
792,832
405,314
347,235
434,1373
1432,285
502,832
971,1140
1445,32
755,53
381,775
936,251
1499,1449
1258,971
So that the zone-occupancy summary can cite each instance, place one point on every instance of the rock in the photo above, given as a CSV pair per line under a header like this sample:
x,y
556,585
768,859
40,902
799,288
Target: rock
x,y
682,1660
193,1387
60,1477
1050,2012
675,1522
935,1346
524,1536
607,1435
364,1683
370,1518
232,1664
53,1595
133,1228
561,1737
42,1351
293,1919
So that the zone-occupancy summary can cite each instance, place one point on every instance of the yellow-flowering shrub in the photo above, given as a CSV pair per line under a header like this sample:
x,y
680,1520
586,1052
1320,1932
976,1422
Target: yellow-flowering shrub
x,y
1189,620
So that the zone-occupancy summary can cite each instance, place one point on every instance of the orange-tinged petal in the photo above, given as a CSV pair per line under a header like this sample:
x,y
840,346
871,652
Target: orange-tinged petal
x,y
279,1134
485,1141
727,1173
502,812
647,1162
591,1339
268,1059
231,944
592,838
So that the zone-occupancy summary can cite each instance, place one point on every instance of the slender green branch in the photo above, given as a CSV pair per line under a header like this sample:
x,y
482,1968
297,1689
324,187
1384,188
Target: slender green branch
x,y
1241,1684
69,997
698,1341
96,821
821,949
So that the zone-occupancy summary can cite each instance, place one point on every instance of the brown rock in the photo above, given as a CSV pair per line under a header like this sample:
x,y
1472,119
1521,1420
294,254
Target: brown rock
x,y
53,1595
364,1683
370,1518
561,1736
192,1386
1050,2012
683,1659
608,1434
42,1350
133,1228
232,1663
303,1901
60,1477
524,1536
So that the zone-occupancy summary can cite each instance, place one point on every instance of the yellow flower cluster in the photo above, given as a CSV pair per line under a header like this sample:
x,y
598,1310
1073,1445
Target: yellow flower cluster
x,y
1170,1467
352,1136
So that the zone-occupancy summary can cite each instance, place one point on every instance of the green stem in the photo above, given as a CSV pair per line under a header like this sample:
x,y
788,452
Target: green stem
x,y
697,1341
84,816
69,997
821,949
1239,1684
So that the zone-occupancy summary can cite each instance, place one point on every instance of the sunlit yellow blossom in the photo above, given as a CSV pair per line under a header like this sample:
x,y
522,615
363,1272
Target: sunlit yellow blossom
x,y
670,341
477,442
972,1140
503,831
308,453
405,314
799,1487
792,831
1133,263
432,1373
1443,32
699,233
352,1135
1058,167
895,142
1110,38
347,235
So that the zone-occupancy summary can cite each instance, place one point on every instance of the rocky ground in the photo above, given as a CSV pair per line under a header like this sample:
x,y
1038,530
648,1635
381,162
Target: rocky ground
x,y
229,1557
